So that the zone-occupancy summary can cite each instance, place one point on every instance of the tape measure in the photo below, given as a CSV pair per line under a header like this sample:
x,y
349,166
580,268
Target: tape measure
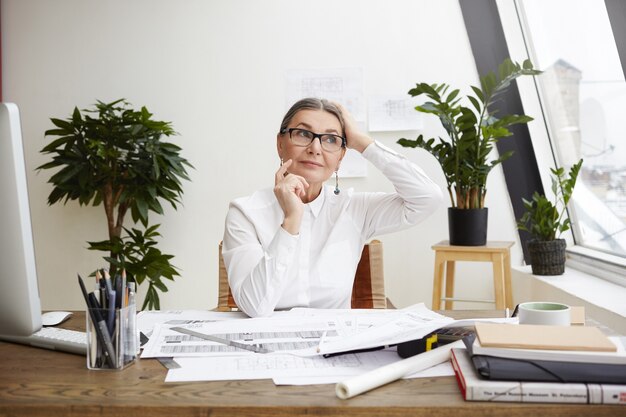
x,y
413,347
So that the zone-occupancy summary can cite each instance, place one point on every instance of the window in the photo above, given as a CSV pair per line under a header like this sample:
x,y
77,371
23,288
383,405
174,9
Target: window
x,y
583,94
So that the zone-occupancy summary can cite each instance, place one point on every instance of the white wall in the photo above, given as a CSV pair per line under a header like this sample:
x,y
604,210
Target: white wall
x,y
216,70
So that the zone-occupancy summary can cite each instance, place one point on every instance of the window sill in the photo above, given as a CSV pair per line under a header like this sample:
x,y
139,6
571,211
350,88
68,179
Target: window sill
x,y
597,264
604,301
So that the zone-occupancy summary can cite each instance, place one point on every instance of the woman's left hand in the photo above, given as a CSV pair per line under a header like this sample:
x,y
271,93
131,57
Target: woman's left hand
x,y
356,139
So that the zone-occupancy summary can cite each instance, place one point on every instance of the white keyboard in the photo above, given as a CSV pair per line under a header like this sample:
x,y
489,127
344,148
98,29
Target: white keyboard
x,y
54,338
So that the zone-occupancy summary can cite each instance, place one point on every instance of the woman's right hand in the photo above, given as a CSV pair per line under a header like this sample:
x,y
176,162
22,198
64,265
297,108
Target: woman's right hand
x,y
289,190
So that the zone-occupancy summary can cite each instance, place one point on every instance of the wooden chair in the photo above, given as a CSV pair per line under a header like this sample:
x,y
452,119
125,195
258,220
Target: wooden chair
x,y
368,290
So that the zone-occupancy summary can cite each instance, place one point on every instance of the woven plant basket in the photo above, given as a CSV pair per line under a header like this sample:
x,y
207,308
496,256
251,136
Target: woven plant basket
x,y
547,257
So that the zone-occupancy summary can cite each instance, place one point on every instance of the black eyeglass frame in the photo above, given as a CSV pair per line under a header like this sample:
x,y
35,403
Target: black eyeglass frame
x,y
344,142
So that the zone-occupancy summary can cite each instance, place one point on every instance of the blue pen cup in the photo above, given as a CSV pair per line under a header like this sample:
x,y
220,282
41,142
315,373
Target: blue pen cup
x,y
112,338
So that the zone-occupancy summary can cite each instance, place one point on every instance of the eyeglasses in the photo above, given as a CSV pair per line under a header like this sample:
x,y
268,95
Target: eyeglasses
x,y
303,137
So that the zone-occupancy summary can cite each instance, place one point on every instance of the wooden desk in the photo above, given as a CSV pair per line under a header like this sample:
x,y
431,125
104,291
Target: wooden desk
x,y
38,382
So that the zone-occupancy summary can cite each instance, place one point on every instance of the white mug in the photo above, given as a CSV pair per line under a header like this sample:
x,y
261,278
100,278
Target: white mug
x,y
542,312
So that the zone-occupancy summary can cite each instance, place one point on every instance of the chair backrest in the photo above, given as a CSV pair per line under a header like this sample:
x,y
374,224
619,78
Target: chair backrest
x,y
368,290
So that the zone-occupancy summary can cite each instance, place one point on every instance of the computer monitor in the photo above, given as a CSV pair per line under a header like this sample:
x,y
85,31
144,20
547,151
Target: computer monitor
x,y
20,307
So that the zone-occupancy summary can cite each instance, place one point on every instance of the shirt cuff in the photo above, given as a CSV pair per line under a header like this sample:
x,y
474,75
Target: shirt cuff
x,y
380,155
283,246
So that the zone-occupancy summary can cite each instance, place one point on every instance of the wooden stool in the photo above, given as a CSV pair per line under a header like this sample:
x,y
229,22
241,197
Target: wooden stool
x,y
498,253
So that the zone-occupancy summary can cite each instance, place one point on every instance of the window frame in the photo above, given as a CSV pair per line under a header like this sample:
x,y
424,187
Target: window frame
x,y
486,21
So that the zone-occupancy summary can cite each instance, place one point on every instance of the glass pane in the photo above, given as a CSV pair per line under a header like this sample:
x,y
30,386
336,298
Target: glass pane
x,y
584,96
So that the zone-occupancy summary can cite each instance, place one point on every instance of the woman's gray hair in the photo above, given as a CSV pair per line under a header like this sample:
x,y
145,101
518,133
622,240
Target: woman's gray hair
x,y
312,103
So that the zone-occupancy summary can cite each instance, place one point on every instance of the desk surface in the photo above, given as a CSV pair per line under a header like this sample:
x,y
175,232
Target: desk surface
x,y
38,382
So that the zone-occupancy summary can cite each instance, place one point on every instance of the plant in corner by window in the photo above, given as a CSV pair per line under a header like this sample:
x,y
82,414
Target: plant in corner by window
x,y
546,220
116,156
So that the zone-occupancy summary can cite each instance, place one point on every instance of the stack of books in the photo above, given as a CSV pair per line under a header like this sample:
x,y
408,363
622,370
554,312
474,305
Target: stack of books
x,y
541,364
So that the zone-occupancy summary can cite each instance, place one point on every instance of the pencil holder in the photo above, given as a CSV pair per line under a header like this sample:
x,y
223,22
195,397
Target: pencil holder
x,y
112,341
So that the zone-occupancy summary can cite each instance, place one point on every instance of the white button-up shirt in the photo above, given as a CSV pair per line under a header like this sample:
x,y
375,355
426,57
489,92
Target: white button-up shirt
x,y
270,269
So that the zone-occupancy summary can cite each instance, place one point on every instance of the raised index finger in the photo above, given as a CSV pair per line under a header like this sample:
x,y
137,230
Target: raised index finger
x,y
282,171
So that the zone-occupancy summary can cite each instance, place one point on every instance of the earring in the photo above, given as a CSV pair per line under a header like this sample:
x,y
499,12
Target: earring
x,y
337,191
281,161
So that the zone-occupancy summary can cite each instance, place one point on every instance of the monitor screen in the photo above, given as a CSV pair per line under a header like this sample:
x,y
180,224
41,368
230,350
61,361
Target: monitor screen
x,y
20,307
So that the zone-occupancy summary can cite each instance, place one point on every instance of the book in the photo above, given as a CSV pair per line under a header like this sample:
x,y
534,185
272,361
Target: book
x,y
474,388
530,336
618,357
505,369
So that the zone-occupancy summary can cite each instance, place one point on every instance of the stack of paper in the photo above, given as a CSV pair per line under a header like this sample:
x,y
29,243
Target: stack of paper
x,y
292,342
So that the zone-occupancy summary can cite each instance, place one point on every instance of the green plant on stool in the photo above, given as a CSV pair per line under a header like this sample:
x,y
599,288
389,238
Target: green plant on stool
x,y
465,155
546,220
118,158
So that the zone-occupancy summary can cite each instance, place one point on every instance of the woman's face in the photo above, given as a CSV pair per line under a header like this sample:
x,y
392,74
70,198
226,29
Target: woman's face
x,y
312,162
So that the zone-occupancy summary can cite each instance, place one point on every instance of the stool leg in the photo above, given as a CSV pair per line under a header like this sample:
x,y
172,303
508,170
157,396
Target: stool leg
x,y
508,290
450,265
437,281
498,280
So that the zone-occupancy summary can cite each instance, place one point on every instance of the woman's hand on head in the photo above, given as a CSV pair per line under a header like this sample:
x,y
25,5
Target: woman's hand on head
x,y
356,139
289,190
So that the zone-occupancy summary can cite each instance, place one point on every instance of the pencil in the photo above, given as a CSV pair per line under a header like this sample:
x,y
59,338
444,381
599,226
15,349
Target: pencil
x,y
253,348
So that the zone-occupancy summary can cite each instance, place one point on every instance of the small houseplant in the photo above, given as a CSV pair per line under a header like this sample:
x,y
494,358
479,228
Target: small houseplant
x,y
465,155
546,220
117,156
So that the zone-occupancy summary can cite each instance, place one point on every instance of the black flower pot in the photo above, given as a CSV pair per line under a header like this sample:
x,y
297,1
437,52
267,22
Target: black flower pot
x,y
467,227
547,257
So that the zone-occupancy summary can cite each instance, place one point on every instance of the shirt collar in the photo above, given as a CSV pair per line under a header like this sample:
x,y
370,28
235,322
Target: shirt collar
x,y
316,205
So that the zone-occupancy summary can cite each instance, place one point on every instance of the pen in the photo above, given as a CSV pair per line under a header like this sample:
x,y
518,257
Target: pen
x,y
96,343
102,287
133,345
330,355
105,337
94,314
117,338
123,290
119,285
515,310
93,338
253,348
110,319
107,280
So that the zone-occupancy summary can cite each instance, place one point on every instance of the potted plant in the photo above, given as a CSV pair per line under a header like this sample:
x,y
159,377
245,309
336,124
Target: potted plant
x,y
546,220
465,155
117,156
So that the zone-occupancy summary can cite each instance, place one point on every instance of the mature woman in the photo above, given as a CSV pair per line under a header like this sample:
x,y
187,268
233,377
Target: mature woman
x,y
299,243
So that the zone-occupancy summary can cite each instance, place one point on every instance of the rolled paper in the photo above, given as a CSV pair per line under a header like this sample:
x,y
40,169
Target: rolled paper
x,y
389,373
